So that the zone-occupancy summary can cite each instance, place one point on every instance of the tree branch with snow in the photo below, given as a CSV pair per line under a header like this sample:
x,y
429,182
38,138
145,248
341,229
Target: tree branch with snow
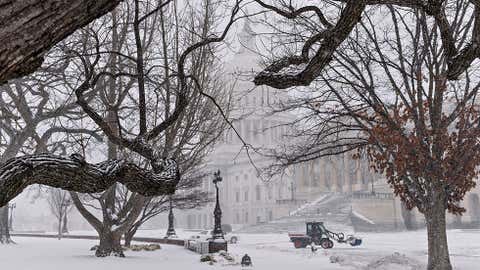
x,y
75,174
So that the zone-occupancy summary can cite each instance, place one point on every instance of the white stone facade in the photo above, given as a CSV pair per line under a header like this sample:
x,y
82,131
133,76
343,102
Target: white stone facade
x,y
244,197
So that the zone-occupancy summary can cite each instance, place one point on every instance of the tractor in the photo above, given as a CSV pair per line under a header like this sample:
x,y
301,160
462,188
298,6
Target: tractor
x,y
317,234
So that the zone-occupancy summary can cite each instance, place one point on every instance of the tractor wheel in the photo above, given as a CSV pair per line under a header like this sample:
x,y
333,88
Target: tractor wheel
x,y
297,243
331,243
326,243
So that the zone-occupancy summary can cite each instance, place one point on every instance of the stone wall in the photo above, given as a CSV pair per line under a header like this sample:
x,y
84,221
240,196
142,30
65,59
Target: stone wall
x,y
379,212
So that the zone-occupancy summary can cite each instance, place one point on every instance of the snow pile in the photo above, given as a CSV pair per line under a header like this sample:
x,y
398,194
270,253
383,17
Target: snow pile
x,y
143,247
395,261
223,258
337,259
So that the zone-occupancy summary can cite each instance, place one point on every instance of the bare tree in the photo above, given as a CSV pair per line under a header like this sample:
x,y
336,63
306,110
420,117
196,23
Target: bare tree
x,y
144,79
188,196
399,91
60,204
28,115
163,178
192,136
34,102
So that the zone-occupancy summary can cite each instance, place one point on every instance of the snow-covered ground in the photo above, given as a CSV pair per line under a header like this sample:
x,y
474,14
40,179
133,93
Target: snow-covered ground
x,y
268,251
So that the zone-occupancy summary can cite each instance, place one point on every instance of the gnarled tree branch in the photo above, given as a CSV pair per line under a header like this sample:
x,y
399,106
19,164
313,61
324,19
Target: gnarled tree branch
x,y
74,174
272,75
29,28
460,62
458,59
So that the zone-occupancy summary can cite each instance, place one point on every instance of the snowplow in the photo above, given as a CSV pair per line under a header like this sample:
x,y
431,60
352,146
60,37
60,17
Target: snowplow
x,y
317,234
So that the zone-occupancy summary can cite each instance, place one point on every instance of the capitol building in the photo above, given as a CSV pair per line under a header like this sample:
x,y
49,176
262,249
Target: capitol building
x,y
244,197
338,187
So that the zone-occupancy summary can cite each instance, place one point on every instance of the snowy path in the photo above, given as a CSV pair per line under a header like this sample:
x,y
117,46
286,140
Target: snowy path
x,y
52,254
268,251
464,248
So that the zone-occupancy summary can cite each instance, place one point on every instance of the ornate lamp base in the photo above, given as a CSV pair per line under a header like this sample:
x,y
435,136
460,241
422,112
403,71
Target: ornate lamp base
x,y
216,245
171,234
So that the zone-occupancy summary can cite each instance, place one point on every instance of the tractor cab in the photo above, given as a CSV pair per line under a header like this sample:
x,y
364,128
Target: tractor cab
x,y
316,230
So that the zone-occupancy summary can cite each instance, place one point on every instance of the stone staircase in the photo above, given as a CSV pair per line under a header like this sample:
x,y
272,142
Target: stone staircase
x,y
333,209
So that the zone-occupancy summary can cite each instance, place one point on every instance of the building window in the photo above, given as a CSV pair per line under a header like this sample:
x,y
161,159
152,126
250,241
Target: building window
x,y
263,96
365,173
316,181
353,171
258,194
191,221
237,196
328,178
270,215
246,195
246,217
474,207
305,175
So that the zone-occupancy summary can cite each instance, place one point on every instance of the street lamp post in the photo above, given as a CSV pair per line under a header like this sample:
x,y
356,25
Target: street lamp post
x,y
217,242
10,223
217,213
171,230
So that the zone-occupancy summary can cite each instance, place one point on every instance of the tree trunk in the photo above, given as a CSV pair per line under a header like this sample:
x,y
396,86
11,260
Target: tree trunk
x,y
4,228
65,223
129,236
109,244
59,227
438,255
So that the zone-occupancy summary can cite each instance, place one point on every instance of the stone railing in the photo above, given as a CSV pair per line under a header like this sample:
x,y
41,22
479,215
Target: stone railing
x,y
290,201
371,195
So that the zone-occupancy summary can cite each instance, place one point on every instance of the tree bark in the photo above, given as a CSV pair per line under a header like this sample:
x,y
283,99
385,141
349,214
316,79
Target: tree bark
x,y
129,236
65,223
4,226
438,255
74,174
109,244
29,28
59,227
